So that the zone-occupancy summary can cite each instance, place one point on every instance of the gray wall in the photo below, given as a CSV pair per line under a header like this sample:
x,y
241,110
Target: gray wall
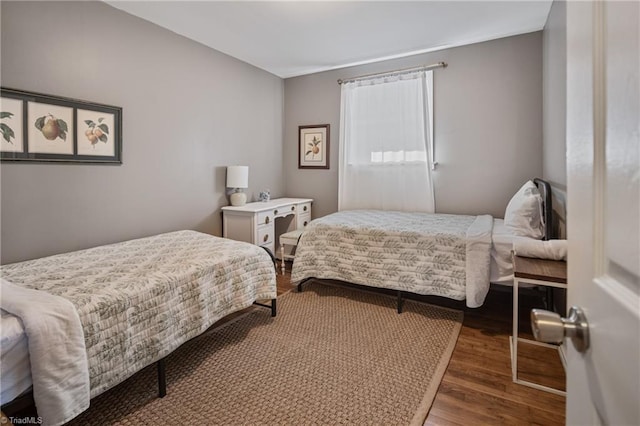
x,y
189,111
554,51
488,124
554,103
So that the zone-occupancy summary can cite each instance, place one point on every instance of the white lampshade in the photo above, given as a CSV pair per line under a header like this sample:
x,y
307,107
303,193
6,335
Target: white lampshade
x,y
237,176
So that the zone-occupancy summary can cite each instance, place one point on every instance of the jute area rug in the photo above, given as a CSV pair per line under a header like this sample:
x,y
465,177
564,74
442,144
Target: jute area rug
x,y
333,355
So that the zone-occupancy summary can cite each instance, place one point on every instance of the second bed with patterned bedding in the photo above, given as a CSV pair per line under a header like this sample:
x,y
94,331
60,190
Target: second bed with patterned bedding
x,y
429,254
138,300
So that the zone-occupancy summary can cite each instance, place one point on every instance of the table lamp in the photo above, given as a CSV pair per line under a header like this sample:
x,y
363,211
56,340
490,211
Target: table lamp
x,y
238,179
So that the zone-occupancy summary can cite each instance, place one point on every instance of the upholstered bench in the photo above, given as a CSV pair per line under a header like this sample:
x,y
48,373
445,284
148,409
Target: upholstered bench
x,y
289,239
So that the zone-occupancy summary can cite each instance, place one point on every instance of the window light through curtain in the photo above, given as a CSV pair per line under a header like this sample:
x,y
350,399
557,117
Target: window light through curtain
x,y
386,127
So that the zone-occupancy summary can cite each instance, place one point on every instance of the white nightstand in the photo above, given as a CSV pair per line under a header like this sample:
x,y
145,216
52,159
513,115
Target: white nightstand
x,y
541,272
261,223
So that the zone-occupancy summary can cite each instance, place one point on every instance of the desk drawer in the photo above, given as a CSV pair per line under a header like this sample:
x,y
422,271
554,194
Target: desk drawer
x,y
304,208
265,218
283,211
303,220
265,235
287,210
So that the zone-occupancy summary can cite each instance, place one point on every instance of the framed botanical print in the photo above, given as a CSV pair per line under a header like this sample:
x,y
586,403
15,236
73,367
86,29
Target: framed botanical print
x,y
313,146
46,128
11,121
95,133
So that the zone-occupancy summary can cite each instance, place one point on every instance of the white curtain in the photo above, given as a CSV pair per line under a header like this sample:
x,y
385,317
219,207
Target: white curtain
x,y
385,143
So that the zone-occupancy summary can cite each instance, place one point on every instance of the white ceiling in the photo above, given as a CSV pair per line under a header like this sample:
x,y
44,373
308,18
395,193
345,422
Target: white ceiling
x,y
290,38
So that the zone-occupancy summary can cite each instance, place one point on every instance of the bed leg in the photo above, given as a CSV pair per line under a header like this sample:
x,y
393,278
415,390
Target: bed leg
x,y
273,307
162,378
548,301
399,302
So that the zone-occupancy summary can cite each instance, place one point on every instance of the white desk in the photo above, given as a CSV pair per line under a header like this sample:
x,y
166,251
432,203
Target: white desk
x,y
549,273
261,223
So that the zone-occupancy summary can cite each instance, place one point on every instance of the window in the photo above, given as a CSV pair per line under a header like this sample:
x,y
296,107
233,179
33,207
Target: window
x,y
385,143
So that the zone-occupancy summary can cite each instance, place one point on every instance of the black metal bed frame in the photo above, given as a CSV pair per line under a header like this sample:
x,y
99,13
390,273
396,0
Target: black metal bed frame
x,y
547,207
547,213
399,298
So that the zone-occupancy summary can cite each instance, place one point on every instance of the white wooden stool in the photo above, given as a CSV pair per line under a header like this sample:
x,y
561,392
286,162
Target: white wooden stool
x,y
289,239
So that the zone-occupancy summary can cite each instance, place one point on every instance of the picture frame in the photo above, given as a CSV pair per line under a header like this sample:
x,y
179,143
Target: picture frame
x,y
35,127
11,129
313,146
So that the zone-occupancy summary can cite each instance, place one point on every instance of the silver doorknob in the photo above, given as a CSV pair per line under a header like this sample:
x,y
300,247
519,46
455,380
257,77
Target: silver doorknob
x,y
549,327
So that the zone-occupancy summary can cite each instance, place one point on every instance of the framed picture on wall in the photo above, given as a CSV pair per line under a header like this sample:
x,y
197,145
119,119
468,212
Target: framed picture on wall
x,y
95,133
11,125
313,146
46,128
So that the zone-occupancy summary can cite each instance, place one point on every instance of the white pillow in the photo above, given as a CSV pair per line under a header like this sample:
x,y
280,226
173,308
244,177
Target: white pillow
x,y
523,215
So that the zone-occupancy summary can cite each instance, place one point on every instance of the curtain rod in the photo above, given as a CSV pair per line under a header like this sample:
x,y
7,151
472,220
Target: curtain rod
x,y
394,72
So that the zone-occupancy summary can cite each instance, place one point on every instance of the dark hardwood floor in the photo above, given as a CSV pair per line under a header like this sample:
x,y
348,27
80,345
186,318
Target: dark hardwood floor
x,y
477,388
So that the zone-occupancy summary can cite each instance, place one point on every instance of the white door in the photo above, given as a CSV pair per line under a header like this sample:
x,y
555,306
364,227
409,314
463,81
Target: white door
x,y
603,213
